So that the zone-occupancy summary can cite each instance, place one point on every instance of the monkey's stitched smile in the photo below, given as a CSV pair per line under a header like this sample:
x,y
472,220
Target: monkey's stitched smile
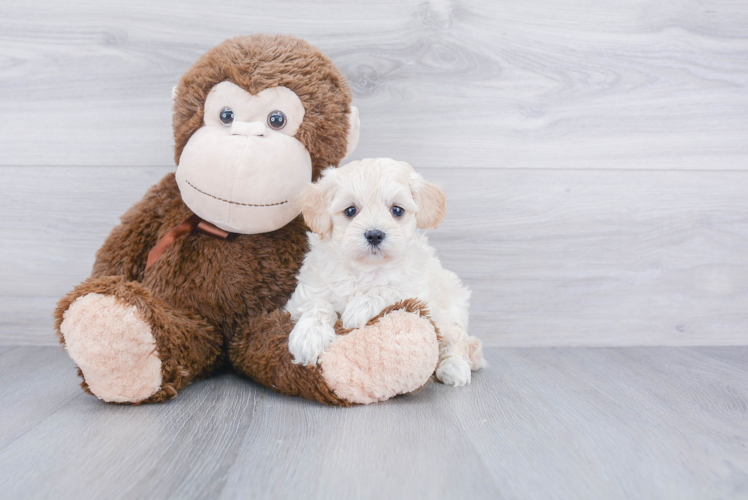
x,y
235,202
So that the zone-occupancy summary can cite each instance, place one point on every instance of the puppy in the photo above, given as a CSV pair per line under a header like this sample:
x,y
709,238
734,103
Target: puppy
x,y
367,253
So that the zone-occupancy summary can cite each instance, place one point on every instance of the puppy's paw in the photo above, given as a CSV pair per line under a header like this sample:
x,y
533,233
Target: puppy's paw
x,y
475,349
453,371
308,340
359,311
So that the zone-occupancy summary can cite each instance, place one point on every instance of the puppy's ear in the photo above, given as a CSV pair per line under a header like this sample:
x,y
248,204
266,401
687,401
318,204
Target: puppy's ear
x,y
314,202
432,204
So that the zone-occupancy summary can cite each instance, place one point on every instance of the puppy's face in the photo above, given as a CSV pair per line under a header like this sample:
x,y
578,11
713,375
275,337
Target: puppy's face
x,y
372,208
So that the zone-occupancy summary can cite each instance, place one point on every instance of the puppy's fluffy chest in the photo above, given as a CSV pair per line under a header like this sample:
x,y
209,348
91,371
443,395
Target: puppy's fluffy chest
x,y
347,285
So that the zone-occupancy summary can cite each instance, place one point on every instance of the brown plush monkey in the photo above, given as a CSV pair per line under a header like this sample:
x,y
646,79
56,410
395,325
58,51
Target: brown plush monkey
x,y
196,275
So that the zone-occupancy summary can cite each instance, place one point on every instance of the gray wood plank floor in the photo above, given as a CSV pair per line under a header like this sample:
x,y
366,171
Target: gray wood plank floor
x,y
543,423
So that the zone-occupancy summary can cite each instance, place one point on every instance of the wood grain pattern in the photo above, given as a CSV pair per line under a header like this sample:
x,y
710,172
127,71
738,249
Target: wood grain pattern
x,y
595,156
538,84
553,257
581,423
30,395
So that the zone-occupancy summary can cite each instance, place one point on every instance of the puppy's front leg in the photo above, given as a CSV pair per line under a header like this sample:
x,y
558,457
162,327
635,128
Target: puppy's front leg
x,y
313,333
364,307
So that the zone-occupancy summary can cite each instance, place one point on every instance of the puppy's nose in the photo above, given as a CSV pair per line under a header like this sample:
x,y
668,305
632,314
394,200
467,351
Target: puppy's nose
x,y
374,236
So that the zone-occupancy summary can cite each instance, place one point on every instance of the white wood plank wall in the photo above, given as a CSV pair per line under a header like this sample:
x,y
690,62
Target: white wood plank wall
x,y
595,152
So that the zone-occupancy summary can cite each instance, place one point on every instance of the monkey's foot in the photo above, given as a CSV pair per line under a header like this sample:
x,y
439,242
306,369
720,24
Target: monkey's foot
x,y
113,347
395,353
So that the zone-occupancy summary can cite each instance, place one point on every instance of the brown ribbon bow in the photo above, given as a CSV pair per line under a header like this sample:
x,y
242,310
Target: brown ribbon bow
x,y
192,223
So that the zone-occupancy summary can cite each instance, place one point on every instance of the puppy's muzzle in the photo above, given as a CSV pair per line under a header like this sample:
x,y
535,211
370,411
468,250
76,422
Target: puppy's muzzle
x,y
374,237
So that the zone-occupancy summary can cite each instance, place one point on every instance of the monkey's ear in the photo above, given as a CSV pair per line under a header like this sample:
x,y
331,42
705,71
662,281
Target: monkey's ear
x,y
314,203
432,204
353,131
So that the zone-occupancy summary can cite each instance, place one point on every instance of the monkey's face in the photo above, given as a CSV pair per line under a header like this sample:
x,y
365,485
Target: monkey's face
x,y
244,170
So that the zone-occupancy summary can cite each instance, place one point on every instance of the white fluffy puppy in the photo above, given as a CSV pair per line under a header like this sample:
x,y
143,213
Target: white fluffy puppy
x,y
367,253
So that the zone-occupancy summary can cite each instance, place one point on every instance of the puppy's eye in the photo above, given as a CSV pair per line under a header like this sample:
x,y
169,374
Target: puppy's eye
x,y
350,212
276,120
227,116
397,211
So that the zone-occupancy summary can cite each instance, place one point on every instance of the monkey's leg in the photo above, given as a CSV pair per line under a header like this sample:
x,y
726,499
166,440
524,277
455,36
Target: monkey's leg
x,y
131,347
395,353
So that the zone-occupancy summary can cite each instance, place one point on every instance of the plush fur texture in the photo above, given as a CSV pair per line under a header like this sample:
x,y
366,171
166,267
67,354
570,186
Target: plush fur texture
x,y
363,366
208,302
107,336
346,273
246,178
258,62
265,359
188,346
394,355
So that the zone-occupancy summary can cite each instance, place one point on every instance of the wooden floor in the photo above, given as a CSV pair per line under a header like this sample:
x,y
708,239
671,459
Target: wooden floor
x,y
541,423
595,158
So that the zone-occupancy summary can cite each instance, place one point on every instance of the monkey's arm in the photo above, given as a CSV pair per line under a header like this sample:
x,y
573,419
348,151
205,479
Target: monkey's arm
x,y
125,251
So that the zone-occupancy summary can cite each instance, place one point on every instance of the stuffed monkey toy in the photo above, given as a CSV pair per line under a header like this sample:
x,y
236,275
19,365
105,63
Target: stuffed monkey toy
x,y
196,275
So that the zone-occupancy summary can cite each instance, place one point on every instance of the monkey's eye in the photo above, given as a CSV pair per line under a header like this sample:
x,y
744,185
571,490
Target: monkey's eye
x,y
276,120
350,212
227,116
397,211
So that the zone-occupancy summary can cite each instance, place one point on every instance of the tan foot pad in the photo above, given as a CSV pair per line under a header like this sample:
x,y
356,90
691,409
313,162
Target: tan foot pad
x,y
113,347
396,355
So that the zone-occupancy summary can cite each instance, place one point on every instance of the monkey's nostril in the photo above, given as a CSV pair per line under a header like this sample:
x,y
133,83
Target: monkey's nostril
x,y
374,236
